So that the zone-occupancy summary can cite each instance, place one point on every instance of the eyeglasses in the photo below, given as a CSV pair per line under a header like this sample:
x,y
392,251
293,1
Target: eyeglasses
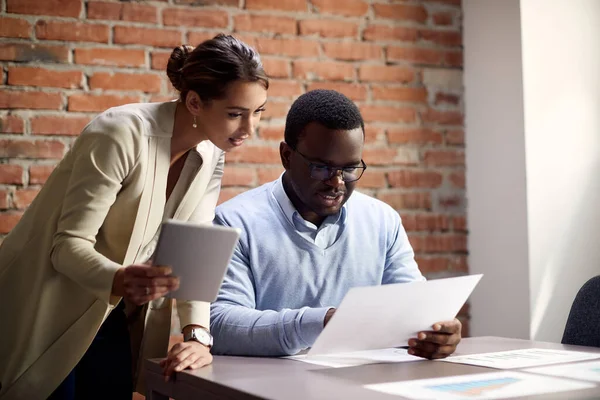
x,y
324,172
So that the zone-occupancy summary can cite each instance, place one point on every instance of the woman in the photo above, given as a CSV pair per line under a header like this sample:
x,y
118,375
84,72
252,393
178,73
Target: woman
x,y
84,243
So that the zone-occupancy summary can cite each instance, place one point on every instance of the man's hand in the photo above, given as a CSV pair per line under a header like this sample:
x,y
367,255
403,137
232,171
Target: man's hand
x,y
328,316
439,343
190,354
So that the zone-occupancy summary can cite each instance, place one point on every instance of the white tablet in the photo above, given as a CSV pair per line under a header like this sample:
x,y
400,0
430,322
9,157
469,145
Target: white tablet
x,y
198,254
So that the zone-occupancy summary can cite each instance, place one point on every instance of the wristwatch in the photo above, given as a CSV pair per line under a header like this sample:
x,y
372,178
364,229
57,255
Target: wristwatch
x,y
200,335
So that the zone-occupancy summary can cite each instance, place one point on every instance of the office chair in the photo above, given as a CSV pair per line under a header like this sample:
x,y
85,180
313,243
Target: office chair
x,y
583,324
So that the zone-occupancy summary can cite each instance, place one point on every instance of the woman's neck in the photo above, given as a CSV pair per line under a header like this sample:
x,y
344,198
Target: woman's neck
x,y
185,136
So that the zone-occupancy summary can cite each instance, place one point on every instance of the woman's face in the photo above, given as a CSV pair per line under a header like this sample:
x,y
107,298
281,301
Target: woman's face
x,y
229,121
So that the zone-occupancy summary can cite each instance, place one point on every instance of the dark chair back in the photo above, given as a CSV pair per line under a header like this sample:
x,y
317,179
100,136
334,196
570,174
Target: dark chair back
x,y
583,324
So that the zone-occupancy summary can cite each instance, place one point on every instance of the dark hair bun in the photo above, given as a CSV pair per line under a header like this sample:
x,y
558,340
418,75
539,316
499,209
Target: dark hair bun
x,y
175,64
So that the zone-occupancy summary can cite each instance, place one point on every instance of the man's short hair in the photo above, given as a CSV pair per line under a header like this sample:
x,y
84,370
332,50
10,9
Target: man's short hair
x,y
329,108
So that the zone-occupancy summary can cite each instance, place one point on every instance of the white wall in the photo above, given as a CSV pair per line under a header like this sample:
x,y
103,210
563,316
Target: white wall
x,y
495,159
561,64
532,103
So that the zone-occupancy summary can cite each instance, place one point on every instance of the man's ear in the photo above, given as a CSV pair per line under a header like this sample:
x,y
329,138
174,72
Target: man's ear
x,y
285,152
193,102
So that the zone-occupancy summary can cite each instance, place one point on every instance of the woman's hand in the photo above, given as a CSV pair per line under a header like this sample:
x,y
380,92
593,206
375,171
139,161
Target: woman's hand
x,y
190,354
140,283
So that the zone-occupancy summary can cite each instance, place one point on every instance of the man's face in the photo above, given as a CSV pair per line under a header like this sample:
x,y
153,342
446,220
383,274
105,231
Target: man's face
x,y
322,147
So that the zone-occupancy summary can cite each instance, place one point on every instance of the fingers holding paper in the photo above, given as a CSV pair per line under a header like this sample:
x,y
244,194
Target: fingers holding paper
x,y
437,343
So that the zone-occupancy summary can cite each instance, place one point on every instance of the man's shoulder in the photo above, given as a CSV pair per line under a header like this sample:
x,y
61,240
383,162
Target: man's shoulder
x,y
247,205
368,203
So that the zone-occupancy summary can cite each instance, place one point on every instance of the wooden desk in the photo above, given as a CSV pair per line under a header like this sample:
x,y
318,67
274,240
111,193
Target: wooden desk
x,y
272,378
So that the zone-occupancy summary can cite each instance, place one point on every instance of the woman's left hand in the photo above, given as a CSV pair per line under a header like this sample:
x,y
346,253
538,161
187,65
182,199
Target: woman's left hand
x,y
184,355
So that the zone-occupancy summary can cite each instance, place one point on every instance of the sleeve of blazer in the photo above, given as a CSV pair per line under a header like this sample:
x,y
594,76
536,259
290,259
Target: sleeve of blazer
x,y
101,159
198,312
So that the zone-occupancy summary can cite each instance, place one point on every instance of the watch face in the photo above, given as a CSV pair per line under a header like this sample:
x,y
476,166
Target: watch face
x,y
202,336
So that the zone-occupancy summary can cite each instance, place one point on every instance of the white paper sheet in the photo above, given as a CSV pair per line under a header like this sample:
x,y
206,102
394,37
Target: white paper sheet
x,y
339,360
495,385
587,371
378,317
523,358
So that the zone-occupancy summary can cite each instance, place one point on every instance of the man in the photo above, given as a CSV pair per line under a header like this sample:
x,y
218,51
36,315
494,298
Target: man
x,y
307,239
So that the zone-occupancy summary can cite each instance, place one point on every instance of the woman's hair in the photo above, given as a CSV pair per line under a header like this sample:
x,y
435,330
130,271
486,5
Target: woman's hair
x,y
209,68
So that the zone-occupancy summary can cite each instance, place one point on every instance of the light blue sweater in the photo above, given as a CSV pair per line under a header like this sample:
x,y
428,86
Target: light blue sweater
x,y
280,284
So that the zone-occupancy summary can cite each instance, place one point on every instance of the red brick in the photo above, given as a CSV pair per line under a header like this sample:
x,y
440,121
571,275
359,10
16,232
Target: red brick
x,y
288,47
4,199
11,174
58,125
59,8
286,5
349,8
133,12
325,70
443,38
443,18
147,36
381,73
110,57
439,243
94,103
276,110
289,88
373,179
447,98
415,55
14,28
410,201
266,175
27,52
239,176
418,136
229,3
31,149
444,157
442,117
159,59
374,134
149,83
195,18
71,31
451,201
22,198
11,124
401,12
384,156
373,113
32,100
271,132
329,28
408,94
354,91
34,76
38,174
352,51
380,32
229,193
428,264
459,224
255,155
449,2
161,98
426,222
455,138
9,220
276,67
265,23
415,179
454,58
195,38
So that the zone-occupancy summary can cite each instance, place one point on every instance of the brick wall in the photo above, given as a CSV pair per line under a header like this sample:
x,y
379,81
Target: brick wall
x,y
400,60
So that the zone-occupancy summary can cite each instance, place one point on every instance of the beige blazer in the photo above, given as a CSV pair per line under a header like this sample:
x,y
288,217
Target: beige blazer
x,y
99,210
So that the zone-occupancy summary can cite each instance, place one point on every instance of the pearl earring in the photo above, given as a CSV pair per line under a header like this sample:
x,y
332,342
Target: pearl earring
x,y
195,125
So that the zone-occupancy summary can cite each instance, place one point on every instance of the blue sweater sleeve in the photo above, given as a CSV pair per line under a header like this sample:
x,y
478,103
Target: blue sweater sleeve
x,y
400,264
240,329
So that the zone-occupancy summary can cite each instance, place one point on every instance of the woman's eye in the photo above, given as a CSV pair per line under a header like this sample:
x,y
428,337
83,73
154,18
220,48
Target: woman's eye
x,y
234,115
260,110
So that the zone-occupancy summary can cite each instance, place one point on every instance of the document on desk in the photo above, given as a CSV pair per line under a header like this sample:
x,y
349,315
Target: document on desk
x,y
494,385
386,316
523,358
352,359
587,371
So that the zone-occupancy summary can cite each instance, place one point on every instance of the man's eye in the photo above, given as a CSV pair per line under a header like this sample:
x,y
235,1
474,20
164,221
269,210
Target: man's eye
x,y
321,167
